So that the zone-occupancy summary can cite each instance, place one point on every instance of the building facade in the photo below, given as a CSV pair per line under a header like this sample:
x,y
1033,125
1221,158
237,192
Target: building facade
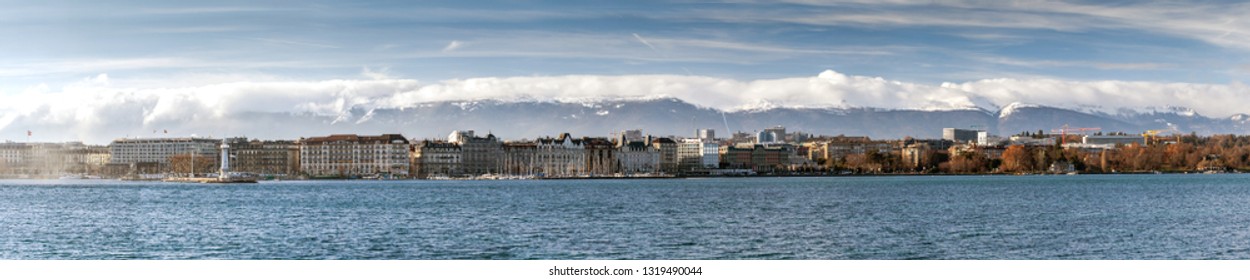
x,y
832,150
667,149
600,156
637,157
267,159
695,154
350,155
761,158
960,135
520,158
161,150
479,155
560,157
436,159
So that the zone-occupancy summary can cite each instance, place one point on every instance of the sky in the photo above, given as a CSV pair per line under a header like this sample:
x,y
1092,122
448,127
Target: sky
x,y
71,62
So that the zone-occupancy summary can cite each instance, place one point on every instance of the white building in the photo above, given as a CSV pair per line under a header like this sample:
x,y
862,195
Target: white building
x,y
1113,139
13,154
160,150
350,155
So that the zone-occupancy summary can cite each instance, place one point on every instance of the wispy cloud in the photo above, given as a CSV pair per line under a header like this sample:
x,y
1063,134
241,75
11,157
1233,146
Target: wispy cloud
x,y
194,29
452,46
206,10
1212,22
644,42
296,43
1033,63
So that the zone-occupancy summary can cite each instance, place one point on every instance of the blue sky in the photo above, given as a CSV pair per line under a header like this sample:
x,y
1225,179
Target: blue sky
x,y
58,42
99,68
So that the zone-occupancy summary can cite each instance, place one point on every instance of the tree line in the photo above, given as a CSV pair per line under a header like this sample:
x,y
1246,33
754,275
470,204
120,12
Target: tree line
x,y
1187,153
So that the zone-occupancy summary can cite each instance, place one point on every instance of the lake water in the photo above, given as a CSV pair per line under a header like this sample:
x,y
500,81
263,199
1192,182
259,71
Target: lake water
x,y
912,217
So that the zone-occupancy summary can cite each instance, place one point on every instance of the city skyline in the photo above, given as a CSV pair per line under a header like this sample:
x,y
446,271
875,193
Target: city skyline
x,y
81,69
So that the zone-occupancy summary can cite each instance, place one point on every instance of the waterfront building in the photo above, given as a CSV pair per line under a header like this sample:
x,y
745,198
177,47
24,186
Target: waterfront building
x,y
436,159
479,155
600,156
74,158
917,155
667,149
990,152
711,155
835,149
350,155
960,135
760,158
267,159
13,158
560,157
50,160
160,151
737,156
694,155
637,157
520,158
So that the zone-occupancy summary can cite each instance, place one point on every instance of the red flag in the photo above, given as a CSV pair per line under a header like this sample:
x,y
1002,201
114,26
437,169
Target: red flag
x,y
28,133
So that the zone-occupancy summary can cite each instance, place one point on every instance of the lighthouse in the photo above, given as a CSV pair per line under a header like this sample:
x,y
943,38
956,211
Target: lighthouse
x,y
225,160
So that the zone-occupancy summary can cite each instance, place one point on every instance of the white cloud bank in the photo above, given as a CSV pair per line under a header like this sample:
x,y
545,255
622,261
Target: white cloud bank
x,y
95,105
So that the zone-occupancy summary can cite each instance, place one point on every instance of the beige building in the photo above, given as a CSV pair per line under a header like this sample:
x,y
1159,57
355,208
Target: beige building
x,y
835,149
267,159
434,159
350,155
48,160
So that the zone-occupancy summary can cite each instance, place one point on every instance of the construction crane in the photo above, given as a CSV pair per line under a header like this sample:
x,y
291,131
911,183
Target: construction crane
x,y
1152,136
1063,132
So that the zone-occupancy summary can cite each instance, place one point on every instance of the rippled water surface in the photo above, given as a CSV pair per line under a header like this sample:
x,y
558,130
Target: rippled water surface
x,y
966,217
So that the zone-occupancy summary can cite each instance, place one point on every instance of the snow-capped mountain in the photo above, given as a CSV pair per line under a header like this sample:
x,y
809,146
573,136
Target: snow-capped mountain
x,y
671,116
517,120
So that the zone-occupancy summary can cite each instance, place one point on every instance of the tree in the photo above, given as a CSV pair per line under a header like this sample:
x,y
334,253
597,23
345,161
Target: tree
x,y
1017,159
967,162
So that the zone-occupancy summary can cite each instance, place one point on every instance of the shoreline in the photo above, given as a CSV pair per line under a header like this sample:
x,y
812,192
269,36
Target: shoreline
x,y
656,177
